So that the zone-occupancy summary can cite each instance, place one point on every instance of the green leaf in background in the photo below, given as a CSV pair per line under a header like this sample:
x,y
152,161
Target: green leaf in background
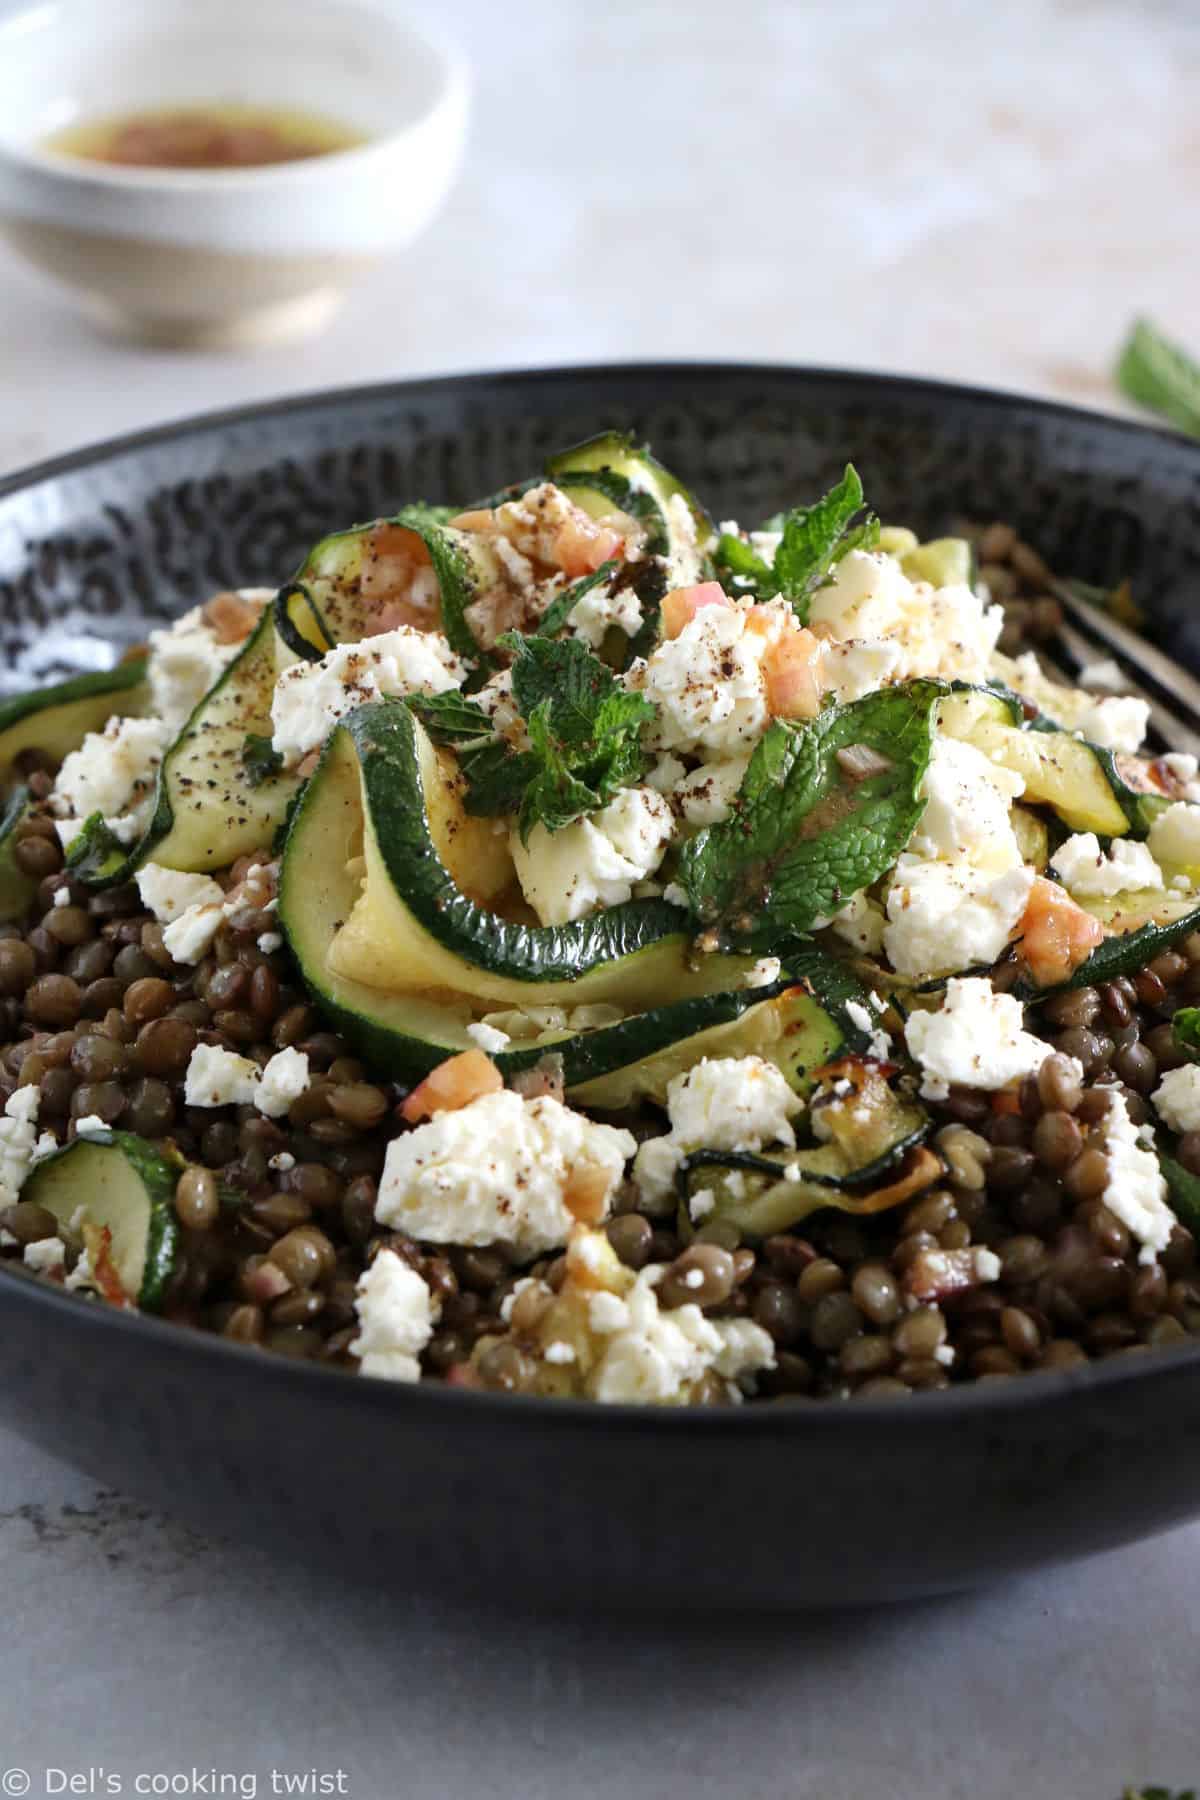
x,y
1186,1026
1161,376
815,537
824,810
1158,1793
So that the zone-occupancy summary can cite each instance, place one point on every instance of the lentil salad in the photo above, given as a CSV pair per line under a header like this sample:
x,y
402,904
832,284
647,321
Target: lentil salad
x,y
793,1134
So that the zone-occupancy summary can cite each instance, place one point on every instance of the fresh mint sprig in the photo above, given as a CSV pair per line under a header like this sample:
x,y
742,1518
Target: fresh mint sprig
x,y
814,539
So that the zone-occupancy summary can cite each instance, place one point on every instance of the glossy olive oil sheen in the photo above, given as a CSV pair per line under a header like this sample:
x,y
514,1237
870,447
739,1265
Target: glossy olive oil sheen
x,y
205,137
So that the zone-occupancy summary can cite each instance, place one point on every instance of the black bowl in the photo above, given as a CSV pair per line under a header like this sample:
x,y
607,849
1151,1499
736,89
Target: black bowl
x,y
778,1505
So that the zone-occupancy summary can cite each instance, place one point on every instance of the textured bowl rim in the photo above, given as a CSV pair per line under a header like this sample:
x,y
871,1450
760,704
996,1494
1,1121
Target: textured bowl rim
x,y
1032,1392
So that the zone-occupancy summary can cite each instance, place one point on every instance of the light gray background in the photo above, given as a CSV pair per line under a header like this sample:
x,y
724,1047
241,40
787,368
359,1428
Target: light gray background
x,y
977,192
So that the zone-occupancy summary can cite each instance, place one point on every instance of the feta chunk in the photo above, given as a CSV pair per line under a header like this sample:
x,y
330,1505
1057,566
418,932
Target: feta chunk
x,y
723,1103
878,626
596,861
706,796
18,1138
977,1039
881,1044
1086,872
311,697
658,1355
600,609
1117,723
1174,836
499,1169
1177,1098
488,1037
217,1077
188,938
1136,1189
187,659
168,893
861,923
967,800
90,1124
397,1312
709,683
944,916
113,773
283,1080
46,1255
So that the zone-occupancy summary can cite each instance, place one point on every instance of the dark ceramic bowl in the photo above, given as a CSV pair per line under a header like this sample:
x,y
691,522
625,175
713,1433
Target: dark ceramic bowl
x,y
761,1506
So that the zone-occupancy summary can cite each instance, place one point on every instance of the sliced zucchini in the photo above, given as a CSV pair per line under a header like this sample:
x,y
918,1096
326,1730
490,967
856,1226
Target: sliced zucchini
x,y
611,471
1080,781
1166,919
126,1187
16,888
211,804
872,1161
945,562
800,1029
1032,835
331,580
376,901
55,720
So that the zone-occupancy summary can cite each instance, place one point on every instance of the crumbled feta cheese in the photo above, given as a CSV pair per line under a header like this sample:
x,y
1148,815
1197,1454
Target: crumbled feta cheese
x,y
46,1255
1115,723
283,1160
1136,1189
659,1355
701,1202
62,897
861,922
397,1312
113,772
1087,872
270,941
283,1080
168,893
1103,674
765,971
595,862
600,609
879,626
498,1169
977,1039
607,1312
187,659
188,938
1174,836
706,796
881,1043
217,1077
17,1138
723,1103
987,1265
1180,764
967,800
945,916
90,1124
46,1145
488,1038
666,774
708,682
559,1352
311,697
1177,1098
82,1275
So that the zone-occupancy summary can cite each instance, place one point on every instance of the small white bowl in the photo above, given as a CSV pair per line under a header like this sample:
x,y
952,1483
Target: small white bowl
x,y
219,257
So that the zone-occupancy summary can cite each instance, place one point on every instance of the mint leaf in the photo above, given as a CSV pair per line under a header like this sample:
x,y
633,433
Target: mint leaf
x,y
560,609
810,827
816,536
750,571
451,718
584,731
1160,376
259,759
1186,1026
96,851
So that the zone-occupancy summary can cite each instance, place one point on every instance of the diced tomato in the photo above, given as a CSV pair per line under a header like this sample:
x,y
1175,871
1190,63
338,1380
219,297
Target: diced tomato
x,y
682,604
392,559
793,674
230,618
453,1084
581,545
1006,1103
586,1192
1056,934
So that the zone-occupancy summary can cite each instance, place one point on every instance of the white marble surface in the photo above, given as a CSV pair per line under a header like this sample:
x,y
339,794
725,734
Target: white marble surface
x,y
975,192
